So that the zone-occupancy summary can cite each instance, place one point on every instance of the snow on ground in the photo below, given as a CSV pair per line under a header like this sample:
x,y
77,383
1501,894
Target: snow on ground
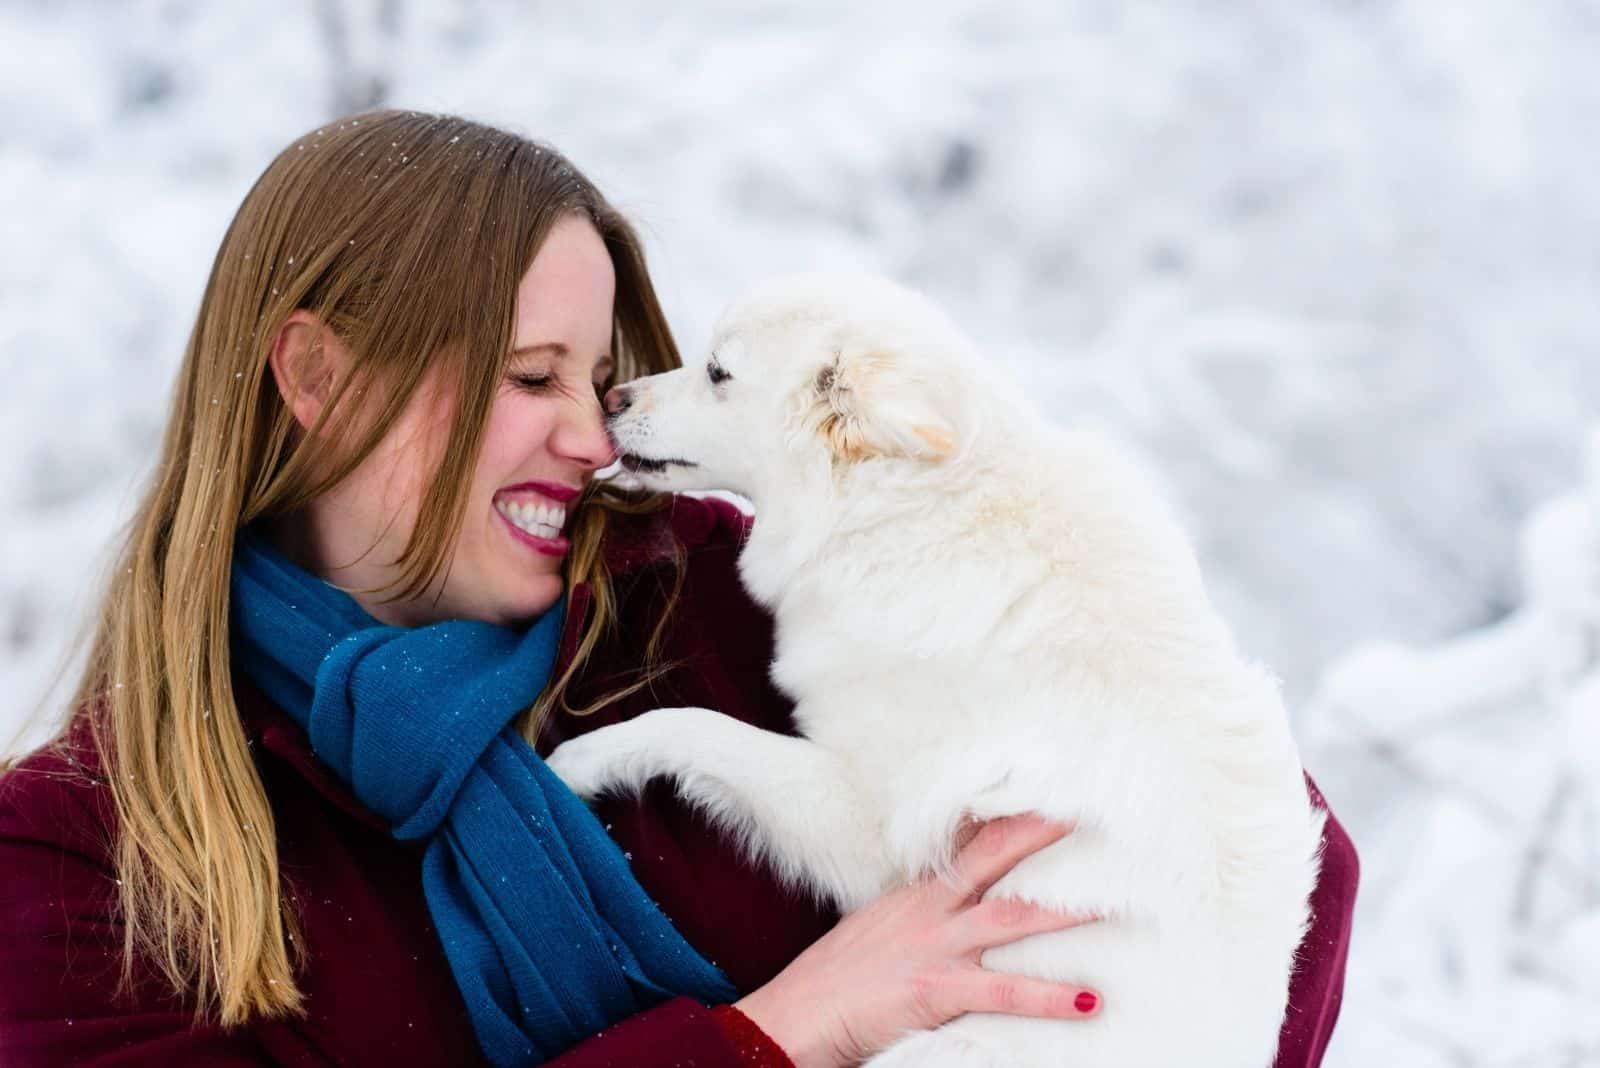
x,y
1333,264
1471,777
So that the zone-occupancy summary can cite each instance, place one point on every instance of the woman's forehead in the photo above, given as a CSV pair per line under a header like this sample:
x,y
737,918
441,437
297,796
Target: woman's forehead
x,y
565,300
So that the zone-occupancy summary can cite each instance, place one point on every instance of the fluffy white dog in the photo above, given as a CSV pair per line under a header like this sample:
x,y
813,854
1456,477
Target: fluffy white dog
x,y
979,613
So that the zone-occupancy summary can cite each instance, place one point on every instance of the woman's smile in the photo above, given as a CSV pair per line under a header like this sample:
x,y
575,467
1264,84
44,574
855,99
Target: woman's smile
x,y
534,520
536,513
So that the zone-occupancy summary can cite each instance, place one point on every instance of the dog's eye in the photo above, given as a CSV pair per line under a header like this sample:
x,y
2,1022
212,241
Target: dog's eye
x,y
716,373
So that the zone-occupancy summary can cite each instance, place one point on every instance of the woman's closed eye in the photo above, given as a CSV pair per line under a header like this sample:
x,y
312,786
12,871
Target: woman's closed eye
x,y
545,382
534,383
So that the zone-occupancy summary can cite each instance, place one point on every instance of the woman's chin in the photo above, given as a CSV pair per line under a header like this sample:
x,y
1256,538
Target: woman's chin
x,y
541,594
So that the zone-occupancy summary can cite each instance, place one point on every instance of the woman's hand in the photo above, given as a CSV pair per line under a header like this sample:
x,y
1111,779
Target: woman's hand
x,y
909,960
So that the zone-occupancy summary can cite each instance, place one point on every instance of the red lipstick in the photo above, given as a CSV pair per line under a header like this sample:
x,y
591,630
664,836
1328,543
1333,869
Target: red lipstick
x,y
555,491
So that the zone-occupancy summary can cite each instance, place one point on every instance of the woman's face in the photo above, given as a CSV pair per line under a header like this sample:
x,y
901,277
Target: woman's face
x,y
544,439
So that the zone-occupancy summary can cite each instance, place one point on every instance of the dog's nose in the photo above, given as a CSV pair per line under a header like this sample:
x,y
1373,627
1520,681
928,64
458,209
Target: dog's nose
x,y
617,400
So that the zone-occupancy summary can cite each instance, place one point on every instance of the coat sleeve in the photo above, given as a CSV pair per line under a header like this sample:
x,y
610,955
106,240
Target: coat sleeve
x,y
61,951
678,1032
1317,986
61,947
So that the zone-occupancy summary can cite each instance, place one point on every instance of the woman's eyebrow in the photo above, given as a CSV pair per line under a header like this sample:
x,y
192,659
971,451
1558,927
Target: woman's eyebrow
x,y
554,348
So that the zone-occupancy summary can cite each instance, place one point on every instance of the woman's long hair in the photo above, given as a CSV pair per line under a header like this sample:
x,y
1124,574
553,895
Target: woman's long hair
x,y
407,235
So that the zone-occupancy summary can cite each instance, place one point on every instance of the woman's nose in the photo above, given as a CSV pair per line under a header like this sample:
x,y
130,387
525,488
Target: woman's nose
x,y
585,438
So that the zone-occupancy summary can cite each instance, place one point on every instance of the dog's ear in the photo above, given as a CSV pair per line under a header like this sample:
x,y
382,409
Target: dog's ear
x,y
869,402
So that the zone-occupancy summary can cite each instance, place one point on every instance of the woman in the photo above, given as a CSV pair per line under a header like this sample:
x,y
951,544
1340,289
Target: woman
x,y
289,824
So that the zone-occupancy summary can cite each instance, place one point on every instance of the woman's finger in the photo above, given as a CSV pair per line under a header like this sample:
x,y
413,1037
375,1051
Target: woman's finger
x,y
976,990
1002,919
998,847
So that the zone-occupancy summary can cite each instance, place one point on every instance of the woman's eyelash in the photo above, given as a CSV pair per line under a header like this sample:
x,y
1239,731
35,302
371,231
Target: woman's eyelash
x,y
542,382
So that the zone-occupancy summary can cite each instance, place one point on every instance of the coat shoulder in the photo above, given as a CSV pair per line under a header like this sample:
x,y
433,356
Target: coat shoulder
x,y
57,797
681,526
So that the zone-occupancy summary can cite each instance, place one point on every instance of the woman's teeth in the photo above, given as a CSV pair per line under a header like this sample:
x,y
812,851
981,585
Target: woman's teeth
x,y
540,520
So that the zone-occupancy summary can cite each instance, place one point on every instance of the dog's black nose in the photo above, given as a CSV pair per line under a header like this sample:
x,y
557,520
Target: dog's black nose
x,y
617,400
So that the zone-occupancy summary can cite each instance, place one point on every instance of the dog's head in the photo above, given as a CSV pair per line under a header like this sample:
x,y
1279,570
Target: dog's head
x,y
804,372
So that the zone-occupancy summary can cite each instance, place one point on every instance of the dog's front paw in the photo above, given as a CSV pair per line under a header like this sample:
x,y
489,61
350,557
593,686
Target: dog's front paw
x,y
583,765
589,765
622,757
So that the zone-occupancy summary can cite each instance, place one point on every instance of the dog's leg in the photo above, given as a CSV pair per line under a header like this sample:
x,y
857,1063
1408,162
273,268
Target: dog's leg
x,y
785,800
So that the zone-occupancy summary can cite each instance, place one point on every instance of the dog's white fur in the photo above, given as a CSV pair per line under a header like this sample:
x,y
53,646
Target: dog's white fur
x,y
980,613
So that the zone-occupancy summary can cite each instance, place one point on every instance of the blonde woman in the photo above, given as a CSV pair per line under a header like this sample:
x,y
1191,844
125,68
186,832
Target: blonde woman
x,y
296,815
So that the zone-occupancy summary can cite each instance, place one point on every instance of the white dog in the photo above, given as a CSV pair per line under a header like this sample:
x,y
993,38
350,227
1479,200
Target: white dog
x,y
979,613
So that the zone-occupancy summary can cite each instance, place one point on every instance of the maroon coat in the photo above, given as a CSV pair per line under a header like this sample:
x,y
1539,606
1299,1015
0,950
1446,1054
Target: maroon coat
x,y
378,988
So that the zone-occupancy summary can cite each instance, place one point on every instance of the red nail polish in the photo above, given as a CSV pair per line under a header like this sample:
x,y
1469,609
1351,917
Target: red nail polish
x,y
1085,1002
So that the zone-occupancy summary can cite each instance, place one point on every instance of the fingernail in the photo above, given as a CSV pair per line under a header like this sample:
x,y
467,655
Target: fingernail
x,y
1085,1002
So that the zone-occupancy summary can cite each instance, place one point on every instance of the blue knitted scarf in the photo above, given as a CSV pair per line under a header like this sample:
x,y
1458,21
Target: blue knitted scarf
x,y
550,937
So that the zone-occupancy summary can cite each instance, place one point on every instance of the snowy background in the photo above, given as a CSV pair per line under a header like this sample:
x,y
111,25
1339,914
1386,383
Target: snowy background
x,y
1335,265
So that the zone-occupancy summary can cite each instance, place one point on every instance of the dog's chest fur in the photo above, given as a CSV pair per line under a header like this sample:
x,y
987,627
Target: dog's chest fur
x,y
998,642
